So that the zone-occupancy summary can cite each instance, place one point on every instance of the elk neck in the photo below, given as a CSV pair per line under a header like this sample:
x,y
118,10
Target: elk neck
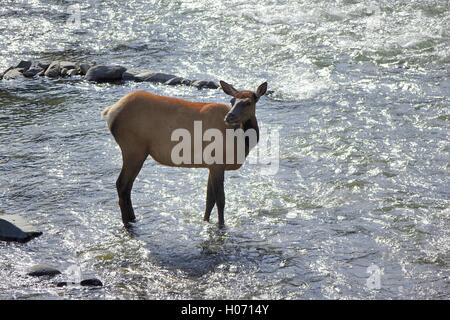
x,y
251,123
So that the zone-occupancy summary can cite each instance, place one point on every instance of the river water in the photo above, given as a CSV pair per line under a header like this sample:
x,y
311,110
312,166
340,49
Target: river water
x,y
359,207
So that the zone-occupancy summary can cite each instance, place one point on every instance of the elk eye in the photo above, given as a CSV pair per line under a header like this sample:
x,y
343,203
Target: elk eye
x,y
232,101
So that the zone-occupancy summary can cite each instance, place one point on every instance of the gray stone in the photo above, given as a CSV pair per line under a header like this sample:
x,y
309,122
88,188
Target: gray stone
x,y
32,71
64,283
53,70
144,75
43,270
15,228
201,84
68,65
155,77
43,65
24,64
4,72
128,76
64,72
178,81
92,282
83,68
13,74
105,73
72,72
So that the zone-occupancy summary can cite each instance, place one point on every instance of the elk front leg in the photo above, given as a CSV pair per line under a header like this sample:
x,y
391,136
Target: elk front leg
x,y
210,200
217,177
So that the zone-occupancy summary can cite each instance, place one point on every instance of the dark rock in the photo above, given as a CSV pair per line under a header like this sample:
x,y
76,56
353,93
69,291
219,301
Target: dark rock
x,y
201,84
43,65
155,77
83,68
105,73
178,81
24,65
144,75
53,70
72,72
64,284
33,71
13,74
15,228
64,72
128,76
92,282
41,73
43,270
68,65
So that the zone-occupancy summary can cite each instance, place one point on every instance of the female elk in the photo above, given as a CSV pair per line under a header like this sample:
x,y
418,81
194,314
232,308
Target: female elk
x,y
142,124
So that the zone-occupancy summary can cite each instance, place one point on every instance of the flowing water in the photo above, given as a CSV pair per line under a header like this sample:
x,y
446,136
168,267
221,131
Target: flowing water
x,y
359,207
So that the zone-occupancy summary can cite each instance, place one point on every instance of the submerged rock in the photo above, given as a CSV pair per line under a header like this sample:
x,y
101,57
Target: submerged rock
x,y
15,228
144,75
33,71
72,72
13,73
128,76
156,77
105,73
91,282
64,72
83,68
43,270
43,65
178,81
202,84
64,284
53,70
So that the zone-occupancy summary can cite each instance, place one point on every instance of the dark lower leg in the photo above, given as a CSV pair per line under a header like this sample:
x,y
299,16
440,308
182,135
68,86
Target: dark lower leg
x,y
126,207
210,201
132,164
219,193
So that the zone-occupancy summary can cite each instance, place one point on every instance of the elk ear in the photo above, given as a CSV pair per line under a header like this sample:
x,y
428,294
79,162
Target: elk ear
x,y
228,88
262,89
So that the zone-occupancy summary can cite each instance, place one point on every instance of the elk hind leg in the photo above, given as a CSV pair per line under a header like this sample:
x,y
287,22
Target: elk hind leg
x,y
210,199
217,179
132,164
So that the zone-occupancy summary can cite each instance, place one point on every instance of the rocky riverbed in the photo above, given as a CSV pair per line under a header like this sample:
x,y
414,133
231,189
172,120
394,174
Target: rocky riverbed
x,y
27,69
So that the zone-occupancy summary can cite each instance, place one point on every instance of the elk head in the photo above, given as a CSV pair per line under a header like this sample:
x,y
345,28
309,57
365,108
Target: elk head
x,y
243,103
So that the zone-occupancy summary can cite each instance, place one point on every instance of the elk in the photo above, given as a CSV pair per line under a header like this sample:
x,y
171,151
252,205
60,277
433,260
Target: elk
x,y
142,123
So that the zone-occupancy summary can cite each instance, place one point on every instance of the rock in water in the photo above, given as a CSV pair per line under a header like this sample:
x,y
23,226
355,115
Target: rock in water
x,y
41,270
83,68
128,76
93,282
53,70
68,65
202,84
64,72
105,73
156,77
65,283
177,81
13,74
72,72
43,65
24,65
32,71
15,228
